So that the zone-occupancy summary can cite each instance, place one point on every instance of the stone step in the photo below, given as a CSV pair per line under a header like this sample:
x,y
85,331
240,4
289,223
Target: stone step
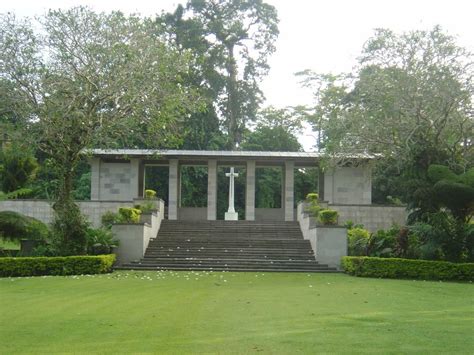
x,y
243,265
223,252
231,262
184,237
226,269
229,257
234,246
223,242
229,233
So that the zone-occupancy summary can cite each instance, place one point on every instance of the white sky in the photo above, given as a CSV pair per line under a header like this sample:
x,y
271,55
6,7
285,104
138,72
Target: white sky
x,y
325,36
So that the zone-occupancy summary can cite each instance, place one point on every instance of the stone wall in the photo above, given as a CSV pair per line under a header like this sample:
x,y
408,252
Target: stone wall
x,y
269,214
116,181
373,217
39,209
42,209
192,213
348,185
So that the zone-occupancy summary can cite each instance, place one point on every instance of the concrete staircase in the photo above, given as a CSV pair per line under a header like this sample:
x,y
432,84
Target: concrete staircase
x,y
231,246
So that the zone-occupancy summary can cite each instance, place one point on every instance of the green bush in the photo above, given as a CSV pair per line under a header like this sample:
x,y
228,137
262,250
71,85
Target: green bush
x,y
312,197
407,268
109,218
383,243
61,265
146,207
19,168
15,226
312,206
150,194
328,217
440,172
313,210
100,241
349,224
444,237
69,229
358,238
129,215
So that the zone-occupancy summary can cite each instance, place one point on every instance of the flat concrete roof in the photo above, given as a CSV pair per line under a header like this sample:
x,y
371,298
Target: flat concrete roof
x,y
150,153
223,157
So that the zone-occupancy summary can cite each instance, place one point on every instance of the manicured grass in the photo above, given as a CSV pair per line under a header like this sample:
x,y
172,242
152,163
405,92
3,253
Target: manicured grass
x,y
185,312
9,245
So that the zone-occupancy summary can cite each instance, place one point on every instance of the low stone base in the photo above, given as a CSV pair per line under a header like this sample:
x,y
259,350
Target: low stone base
x,y
231,216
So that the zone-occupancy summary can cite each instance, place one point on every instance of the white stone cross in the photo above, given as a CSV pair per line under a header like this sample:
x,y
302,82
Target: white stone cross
x,y
231,215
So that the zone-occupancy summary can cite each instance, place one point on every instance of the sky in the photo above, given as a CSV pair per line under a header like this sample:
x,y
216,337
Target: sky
x,y
324,36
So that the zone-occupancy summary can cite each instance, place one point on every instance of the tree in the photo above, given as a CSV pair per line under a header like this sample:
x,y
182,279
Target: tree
x,y
409,99
18,167
275,130
91,79
233,39
199,130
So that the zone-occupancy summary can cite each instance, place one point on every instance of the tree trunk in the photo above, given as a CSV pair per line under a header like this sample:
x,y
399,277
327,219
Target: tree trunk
x,y
232,101
69,227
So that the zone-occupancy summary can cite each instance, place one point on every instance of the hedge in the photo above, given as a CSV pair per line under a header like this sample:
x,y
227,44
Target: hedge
x,y
407,268
57,265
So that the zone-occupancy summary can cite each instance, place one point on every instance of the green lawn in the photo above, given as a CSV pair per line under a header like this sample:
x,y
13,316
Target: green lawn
x,y
9,245
184,312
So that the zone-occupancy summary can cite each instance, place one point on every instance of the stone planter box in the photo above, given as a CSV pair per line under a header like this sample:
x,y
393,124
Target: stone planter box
x,y
134,237
328,242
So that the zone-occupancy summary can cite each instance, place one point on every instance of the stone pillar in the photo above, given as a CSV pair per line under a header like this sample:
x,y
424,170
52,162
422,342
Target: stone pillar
x,y
173,187
250,192
95,178
212,190
328,185
289,191
134,178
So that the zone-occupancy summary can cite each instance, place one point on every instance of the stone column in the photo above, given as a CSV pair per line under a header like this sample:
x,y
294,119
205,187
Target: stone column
x,y
250,192
289,190
173,187
134,178
95,178
212,190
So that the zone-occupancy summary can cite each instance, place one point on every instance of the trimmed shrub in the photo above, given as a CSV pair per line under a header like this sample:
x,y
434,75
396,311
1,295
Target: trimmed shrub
x,y
15,226
313,210
61,265
328,217
312,206
150,194
395,268
312,197
129,215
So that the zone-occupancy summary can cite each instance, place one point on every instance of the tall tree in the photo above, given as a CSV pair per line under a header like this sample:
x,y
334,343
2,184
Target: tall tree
x,y
234,39
91,79
275,130
409,98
